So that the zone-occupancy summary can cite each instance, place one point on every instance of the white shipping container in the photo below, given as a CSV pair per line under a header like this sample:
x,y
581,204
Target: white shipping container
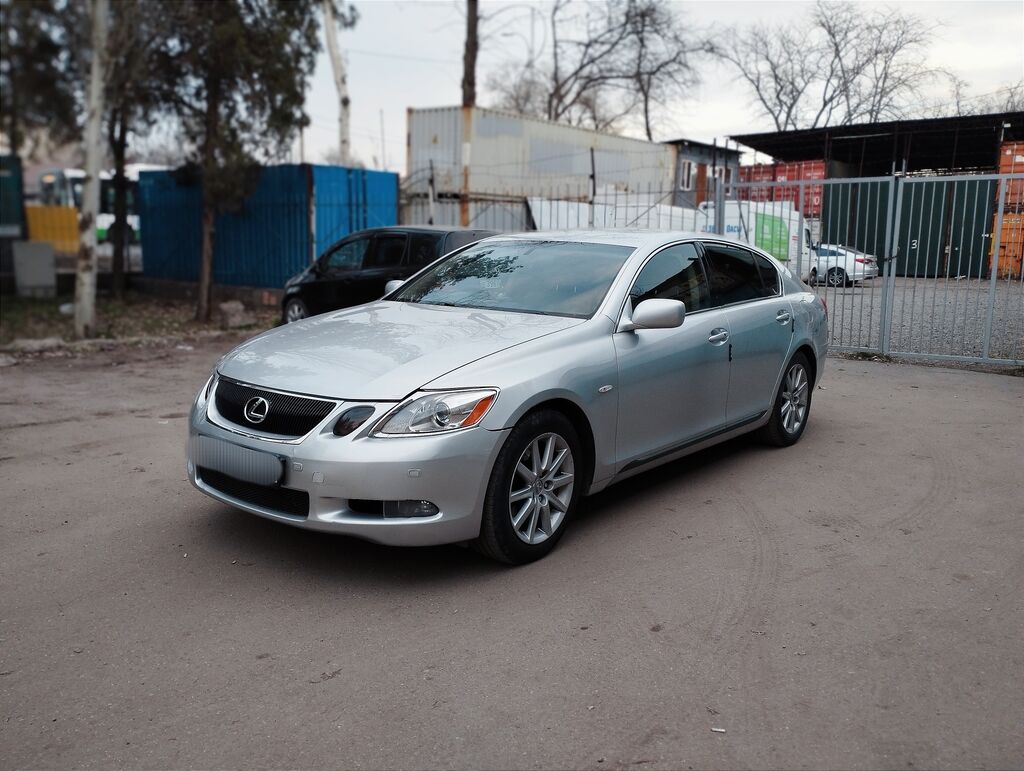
x,y
490,152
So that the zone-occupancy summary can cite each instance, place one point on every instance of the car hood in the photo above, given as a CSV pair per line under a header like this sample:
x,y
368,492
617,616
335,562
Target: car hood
x,y
380,351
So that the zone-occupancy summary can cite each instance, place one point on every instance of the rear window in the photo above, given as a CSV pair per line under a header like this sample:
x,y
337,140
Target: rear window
x,y
556,278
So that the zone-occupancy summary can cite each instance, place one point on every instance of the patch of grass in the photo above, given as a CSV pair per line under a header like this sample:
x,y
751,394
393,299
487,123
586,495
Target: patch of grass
x,y
137,315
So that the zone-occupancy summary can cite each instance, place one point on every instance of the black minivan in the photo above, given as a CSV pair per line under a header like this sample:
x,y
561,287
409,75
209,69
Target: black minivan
x,y
354,270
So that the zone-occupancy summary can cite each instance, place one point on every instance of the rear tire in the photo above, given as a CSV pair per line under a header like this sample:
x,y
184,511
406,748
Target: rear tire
x,y
536,483
836,277
792,407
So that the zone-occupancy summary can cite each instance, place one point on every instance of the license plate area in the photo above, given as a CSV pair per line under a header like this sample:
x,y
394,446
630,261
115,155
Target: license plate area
x,y
259,468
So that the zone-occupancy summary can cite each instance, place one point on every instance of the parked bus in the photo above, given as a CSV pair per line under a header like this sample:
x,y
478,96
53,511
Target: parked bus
x,y
65,187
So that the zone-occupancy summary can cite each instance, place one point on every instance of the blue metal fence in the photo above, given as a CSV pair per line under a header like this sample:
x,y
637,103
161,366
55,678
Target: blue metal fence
x,y
293,214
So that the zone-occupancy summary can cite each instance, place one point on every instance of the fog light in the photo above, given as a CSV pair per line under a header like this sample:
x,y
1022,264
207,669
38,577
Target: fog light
x,y
352,419
409,509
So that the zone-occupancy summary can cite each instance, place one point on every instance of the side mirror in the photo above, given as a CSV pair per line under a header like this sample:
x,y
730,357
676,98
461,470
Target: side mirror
x,y
655,314
392,286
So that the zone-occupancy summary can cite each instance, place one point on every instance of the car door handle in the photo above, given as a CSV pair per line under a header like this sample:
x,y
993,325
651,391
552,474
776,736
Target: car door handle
x,y
783,317
718,336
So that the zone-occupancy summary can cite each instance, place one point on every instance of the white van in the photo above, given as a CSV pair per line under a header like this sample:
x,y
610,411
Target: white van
x,y
772,226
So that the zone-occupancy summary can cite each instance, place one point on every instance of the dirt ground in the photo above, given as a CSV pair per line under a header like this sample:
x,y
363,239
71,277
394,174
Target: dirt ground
x,y
856,601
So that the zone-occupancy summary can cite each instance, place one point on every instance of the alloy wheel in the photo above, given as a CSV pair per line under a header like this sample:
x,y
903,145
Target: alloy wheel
x,y
541,488
294,312
794,399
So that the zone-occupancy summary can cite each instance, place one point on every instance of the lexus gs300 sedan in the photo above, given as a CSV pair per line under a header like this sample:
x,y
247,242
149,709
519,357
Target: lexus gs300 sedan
x,y
483,398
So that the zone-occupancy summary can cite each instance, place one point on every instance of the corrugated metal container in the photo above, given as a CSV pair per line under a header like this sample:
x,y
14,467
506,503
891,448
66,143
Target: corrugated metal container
x,y
1011,246
293,214
483,152
1011,161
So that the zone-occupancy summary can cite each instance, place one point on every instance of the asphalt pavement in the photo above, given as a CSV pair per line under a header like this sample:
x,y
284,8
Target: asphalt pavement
x,y
856,601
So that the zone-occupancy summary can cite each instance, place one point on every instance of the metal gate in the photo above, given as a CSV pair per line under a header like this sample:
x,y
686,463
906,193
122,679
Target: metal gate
x,y
922,267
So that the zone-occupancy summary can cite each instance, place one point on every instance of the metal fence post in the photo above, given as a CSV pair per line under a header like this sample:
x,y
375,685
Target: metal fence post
x,y
719,207
892,230
1002,185
802,226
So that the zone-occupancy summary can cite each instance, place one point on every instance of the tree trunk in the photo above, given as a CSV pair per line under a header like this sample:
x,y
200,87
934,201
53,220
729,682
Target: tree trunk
x,y
340,83
85,278
646,95
210,141
470,53
118,146
206,266
13,131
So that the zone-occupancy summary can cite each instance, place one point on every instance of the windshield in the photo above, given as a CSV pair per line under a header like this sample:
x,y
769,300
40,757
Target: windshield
x,y
551,277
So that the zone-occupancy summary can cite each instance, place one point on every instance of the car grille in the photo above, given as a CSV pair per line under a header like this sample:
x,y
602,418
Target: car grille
x,y
288,415
294,503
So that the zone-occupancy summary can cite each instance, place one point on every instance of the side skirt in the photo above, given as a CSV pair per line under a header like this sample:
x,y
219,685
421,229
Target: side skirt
x,y
696,444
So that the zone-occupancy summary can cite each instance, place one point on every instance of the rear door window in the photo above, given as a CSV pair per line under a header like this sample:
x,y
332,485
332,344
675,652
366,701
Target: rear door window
x,y
734,275
387,252
423,248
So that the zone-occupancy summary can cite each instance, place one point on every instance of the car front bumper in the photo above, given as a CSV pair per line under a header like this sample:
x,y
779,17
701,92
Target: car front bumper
x,y
450,471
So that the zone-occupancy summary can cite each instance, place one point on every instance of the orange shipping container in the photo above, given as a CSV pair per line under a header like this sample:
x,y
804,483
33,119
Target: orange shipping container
x,y
1011,161
1011,246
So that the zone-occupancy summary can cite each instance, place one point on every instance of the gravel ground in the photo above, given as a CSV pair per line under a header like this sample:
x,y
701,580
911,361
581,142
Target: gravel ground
x,y
930,316
856,601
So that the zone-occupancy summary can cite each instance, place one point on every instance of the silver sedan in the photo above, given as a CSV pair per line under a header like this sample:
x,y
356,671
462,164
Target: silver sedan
x,y
482,399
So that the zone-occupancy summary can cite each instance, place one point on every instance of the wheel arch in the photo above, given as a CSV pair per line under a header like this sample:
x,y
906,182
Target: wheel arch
x,y
575,415
807,350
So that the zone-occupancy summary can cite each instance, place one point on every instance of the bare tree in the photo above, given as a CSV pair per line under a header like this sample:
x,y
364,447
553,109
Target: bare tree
x,y
604,60
585,66
658,56
778,70
1009,98
846,66
85,278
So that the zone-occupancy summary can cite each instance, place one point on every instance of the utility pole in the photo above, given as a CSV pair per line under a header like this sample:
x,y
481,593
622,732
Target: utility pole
x,y
469,55
593,188
85,278
340,81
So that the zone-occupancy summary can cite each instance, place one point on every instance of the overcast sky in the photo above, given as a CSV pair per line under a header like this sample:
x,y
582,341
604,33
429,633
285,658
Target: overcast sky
x,y
407,53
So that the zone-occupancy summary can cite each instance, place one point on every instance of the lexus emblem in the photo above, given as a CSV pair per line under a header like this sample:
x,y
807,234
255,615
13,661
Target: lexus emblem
x,y
256,409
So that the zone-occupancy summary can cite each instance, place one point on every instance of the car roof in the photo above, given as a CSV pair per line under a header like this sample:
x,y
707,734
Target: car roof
x,y
421,229
647,239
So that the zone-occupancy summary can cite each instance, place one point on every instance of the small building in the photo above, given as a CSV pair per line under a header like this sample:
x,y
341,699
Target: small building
x,y
698,166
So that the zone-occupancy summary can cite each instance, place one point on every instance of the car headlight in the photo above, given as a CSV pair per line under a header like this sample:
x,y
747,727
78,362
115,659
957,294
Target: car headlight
x,y
204,392
439,412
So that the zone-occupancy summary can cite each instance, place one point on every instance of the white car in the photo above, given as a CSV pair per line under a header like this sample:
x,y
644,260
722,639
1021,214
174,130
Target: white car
x,y
839,265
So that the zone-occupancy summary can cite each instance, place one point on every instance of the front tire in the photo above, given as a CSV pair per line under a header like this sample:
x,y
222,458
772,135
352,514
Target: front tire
x,y
294,310
792,407
534,488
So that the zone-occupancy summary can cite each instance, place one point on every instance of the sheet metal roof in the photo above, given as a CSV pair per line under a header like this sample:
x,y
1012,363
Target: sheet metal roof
x,y
963,142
